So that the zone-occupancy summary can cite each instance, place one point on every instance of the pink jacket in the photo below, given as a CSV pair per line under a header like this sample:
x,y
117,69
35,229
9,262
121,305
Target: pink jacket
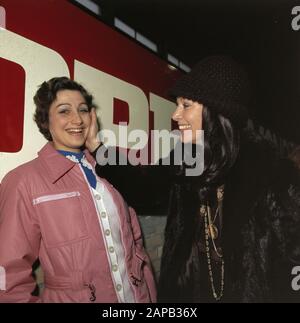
x,y
48,212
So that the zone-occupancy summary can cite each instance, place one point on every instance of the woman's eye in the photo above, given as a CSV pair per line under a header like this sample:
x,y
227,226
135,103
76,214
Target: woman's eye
x,y
84,110
185,105
65,111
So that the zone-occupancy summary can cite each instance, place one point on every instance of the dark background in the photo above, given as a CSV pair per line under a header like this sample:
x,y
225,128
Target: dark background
x,y
257,33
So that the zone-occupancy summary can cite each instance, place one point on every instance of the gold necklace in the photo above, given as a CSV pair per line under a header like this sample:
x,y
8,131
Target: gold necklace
x,y
213,230
212,233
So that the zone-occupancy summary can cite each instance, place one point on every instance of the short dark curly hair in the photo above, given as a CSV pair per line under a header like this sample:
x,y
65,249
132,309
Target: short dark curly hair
x,y
46,95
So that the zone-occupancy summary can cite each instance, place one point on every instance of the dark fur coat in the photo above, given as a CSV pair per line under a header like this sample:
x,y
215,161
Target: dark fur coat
x,y
260,235
261,226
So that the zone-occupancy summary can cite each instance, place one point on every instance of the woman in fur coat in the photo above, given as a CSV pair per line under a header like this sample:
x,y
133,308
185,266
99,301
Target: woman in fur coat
x,y
232,233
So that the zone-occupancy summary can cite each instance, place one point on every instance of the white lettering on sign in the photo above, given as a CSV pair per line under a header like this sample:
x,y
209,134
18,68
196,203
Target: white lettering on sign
x,y
2,18
105,88
41,63
162,109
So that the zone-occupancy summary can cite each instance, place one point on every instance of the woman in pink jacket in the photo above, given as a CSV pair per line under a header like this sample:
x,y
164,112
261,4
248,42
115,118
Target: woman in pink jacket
x,y
55,209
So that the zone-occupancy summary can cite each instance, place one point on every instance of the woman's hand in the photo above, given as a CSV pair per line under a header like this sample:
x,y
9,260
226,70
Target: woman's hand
x,y
92,141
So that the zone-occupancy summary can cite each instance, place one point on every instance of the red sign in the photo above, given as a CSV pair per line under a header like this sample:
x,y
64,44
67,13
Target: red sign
x,y
51,38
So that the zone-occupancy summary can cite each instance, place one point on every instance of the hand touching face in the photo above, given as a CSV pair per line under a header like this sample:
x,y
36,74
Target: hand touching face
x,y
92,140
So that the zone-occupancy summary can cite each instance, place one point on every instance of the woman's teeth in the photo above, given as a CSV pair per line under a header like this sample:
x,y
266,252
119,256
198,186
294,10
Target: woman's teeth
x,y
184,127
75,131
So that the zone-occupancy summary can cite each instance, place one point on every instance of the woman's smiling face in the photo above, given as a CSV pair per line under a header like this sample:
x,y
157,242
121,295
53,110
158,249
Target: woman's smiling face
x,y
188,116
69,120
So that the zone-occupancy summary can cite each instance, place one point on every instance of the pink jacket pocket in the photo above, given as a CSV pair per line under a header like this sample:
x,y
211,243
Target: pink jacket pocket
x,y
140,278
61,218
136,274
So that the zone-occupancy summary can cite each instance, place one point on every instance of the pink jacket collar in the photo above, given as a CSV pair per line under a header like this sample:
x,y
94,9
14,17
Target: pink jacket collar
x,y
56,164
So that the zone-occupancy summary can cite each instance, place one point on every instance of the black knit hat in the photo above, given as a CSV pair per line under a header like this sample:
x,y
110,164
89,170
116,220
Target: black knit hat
x,y
219,83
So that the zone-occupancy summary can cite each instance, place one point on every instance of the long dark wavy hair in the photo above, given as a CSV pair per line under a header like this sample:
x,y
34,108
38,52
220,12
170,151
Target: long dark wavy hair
x,y
221,148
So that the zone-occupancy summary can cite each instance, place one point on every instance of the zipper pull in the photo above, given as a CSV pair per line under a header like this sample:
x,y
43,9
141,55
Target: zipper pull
x,y
134,280
92,289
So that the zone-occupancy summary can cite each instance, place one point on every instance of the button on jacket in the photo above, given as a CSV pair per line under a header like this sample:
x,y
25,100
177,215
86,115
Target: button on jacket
x,y
47,211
